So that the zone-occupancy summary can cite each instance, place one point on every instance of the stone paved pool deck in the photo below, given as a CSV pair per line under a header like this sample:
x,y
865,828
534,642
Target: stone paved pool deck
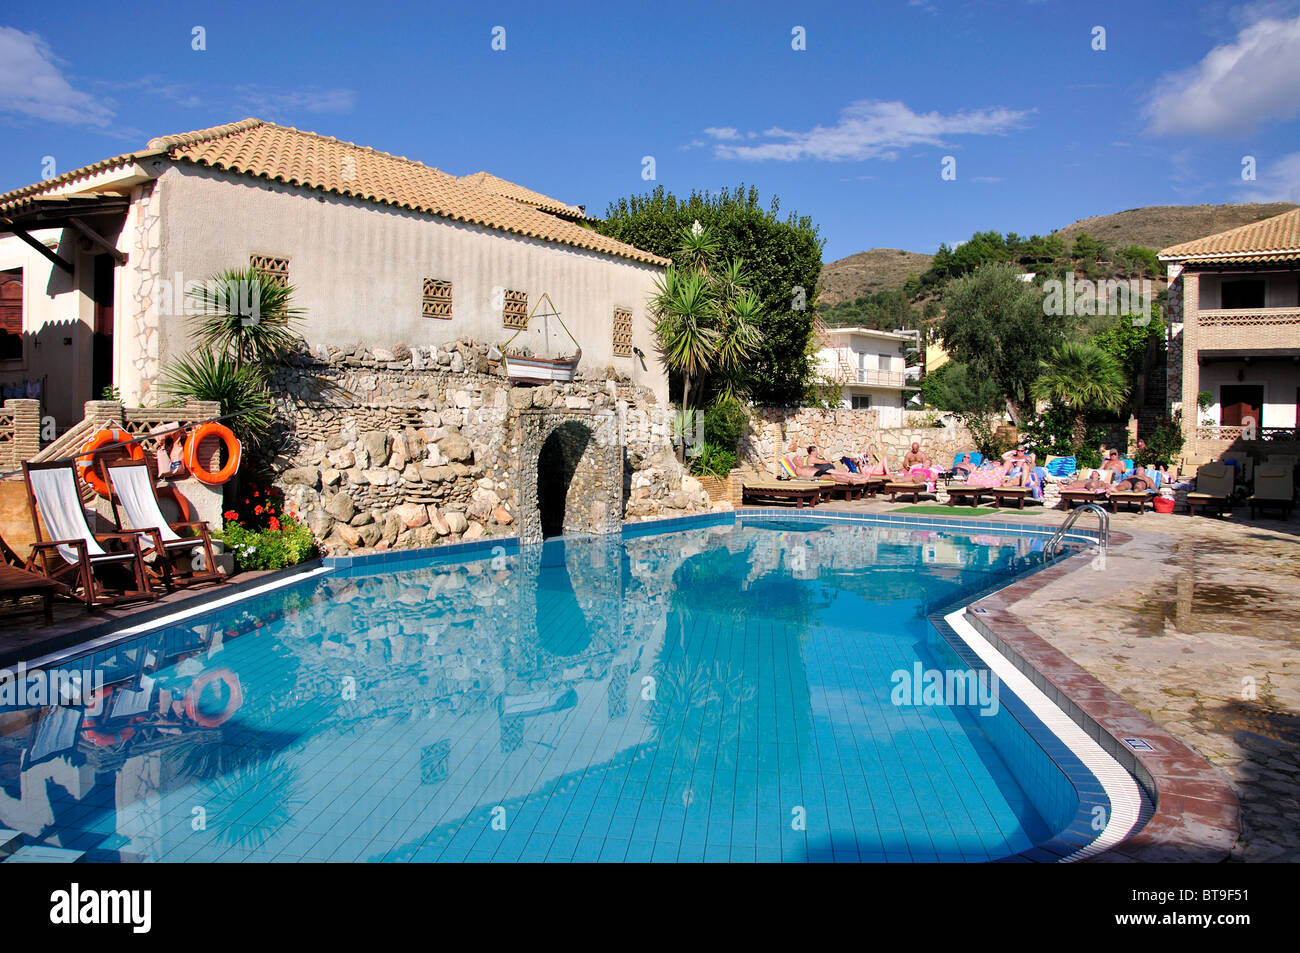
x,y
1191,621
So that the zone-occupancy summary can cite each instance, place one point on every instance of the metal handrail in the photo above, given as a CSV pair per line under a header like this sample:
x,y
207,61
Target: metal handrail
x,y
1103,528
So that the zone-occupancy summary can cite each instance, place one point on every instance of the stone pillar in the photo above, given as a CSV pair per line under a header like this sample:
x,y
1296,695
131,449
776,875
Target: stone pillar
x,y
26,442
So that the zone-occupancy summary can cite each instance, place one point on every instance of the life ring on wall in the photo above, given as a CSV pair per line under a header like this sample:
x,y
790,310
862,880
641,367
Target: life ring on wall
x,y
169,491
103,438
234,451
195,694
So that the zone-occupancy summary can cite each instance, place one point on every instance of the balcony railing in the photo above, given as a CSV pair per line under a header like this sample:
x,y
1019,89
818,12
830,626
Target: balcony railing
x,y
1247,317
1215,432
880,378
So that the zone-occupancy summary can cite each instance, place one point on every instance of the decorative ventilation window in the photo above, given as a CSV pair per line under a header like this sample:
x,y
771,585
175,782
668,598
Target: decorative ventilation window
x,y
622,332
272,271
515,312
437,299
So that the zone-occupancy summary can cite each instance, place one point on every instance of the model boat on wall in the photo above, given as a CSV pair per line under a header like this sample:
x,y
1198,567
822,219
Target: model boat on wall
x,y
529,369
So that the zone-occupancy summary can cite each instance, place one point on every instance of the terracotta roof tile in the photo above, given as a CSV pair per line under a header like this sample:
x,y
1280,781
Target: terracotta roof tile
x,y
306,159
1272,239
499,186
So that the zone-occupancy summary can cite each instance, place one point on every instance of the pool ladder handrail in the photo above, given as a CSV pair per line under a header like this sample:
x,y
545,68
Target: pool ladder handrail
x,y
1103,528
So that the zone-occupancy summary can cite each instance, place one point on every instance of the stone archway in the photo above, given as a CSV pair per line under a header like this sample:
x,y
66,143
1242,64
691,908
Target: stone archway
x,y
570,466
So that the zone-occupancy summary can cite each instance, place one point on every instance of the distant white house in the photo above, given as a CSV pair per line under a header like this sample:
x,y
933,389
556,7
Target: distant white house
x,y
871,366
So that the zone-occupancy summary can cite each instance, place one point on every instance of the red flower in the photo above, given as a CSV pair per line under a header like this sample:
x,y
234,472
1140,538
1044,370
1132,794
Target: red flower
x,y
274,524
257,510
254,493
230,515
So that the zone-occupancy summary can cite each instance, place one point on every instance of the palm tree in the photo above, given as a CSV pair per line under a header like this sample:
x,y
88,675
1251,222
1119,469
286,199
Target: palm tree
x,y
1083,378
247,315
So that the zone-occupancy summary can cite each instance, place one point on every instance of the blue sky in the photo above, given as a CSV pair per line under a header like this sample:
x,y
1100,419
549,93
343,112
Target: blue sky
x,y
852,130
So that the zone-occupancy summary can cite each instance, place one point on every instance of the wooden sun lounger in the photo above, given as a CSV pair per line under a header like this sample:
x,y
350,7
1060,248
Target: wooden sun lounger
x,y
1073,498
895,490
1130,497
16,582
957,493
783,491
1208,502
1017,493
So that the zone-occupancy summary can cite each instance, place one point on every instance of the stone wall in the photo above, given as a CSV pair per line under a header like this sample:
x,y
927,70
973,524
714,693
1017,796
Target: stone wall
x,y
842,432
412,446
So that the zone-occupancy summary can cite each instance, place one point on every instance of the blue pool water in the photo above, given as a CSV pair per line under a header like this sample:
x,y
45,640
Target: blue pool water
x,y
719,693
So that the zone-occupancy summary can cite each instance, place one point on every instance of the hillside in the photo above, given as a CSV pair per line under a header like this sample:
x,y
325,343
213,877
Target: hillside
x,y
1154,226
880,269
1158,226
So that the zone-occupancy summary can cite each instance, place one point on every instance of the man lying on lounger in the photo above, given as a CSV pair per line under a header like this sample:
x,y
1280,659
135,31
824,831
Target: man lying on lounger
x,y
815,460
1138,481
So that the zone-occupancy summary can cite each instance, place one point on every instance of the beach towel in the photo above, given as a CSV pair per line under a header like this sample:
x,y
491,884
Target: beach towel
x,y
848,462
1062,466
783,467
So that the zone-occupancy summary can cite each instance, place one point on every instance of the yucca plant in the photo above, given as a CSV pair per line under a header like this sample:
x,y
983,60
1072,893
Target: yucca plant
x,y
247,315
240,390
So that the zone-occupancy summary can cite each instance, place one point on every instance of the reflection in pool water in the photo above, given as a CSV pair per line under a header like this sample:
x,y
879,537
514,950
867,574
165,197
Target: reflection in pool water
x,y
712,693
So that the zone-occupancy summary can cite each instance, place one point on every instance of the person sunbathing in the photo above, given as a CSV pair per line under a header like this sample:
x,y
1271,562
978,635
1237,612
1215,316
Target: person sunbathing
x,y
1113,462
1088,483
815,460
963,466
1138,481
915,457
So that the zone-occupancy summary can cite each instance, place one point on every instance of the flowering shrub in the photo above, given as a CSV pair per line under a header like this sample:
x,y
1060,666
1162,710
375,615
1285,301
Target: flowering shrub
x,y
262,532
286,544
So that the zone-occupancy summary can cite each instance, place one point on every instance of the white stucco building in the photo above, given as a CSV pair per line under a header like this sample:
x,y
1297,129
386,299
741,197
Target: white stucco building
x,y
379,249
871,367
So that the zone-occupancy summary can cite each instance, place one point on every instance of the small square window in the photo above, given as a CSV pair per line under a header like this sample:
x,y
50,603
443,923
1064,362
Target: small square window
x,y
437,299
515,312
622,332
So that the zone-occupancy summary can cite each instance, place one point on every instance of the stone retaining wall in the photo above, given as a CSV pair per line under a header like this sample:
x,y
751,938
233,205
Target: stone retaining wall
x,y
842,432
411,446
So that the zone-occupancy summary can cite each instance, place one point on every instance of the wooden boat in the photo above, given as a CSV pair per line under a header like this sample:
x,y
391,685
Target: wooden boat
x,y
523,369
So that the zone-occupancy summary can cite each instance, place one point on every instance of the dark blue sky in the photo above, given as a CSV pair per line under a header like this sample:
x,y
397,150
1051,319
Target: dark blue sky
x,y
851,130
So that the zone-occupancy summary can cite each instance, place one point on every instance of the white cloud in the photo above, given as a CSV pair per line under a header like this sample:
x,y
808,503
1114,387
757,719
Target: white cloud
x,y
868,129
1235,87
1278,181
32,84
722,132
310,99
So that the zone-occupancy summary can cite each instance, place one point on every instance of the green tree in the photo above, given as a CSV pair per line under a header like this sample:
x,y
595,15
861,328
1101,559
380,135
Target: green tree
x,y
781,253
1084,379
994,324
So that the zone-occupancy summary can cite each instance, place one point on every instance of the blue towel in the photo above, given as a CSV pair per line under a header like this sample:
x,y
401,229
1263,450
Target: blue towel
x,y
848,462
1062,467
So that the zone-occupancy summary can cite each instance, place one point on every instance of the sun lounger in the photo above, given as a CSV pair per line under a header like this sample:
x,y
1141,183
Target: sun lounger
x,y
1139,498
75,554
1017,494
1100,496
1274,489
798,492
17,581
134,495
895,490
1214,483
957,493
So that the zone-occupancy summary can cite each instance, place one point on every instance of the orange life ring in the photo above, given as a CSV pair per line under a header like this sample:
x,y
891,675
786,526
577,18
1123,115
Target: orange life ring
x,y
234,451
182,504
195,693
86,459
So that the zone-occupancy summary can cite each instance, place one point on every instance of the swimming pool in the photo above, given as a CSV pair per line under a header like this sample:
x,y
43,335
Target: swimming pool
x,y
729,689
